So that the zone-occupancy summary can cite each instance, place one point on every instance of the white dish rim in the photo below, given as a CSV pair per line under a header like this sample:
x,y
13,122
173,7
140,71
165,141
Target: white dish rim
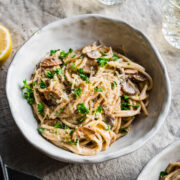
x,y
130,148
161,153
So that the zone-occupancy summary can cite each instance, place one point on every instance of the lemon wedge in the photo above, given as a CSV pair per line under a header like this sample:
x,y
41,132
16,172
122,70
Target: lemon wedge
x,y
5,45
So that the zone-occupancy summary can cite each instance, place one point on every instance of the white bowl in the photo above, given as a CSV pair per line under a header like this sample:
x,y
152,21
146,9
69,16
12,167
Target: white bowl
x,y
160,162
76,32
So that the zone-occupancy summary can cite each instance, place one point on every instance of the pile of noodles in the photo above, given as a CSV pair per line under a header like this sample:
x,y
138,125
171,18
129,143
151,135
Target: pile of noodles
x,y
86,99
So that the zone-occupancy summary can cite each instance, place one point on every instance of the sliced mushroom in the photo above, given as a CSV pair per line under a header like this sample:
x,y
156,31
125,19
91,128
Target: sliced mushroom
x,y
89,48
138,77
50,61
110,121
131,71
109,118
51,94
106,50
127,88
94,54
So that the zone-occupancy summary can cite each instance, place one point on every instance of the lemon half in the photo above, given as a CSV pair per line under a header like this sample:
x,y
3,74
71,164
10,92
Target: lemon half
x,y
5,44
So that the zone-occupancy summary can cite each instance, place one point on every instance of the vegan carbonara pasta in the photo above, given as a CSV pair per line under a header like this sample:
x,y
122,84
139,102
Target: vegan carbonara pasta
x,y
86,99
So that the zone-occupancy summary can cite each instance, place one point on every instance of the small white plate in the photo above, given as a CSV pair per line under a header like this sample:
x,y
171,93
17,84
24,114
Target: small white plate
x,y
76,32
160,162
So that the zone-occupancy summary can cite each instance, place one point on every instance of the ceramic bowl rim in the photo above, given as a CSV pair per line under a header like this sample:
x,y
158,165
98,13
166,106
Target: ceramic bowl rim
x,y
140,142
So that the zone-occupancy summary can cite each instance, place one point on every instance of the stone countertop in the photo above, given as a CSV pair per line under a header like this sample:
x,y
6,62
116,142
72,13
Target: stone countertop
x,y
23,18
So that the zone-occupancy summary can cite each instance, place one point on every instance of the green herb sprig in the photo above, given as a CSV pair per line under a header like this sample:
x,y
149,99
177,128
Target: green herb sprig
x,y
98,89
81,119
125,105
53,51
64,54
42,84
40,108
77,92
82,108
123,131
163,173
61,125
73,143
28,94
114,84
115,58
98,110
82,74
102,61
41,130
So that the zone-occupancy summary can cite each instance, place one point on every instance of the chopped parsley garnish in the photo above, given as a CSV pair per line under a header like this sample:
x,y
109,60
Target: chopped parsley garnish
x,y
61,109
125,97
41,130
71,132
77,92
28,94
70,83
125,105
40,108
26,85
57,113
82,75
114,84
63,54
134,105
42,84
34,83
36,116
53,51
74,66
82,108
59,72
98,89
57,125
102,61
115,58
29,98
74,143
104,54
61,125
81,119
50,74
108,128
128,63
98,110
88,81
70,50
123,131
163,173
73,56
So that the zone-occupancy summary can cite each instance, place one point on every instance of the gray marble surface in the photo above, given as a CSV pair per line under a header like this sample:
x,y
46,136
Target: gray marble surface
x,y
24,17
